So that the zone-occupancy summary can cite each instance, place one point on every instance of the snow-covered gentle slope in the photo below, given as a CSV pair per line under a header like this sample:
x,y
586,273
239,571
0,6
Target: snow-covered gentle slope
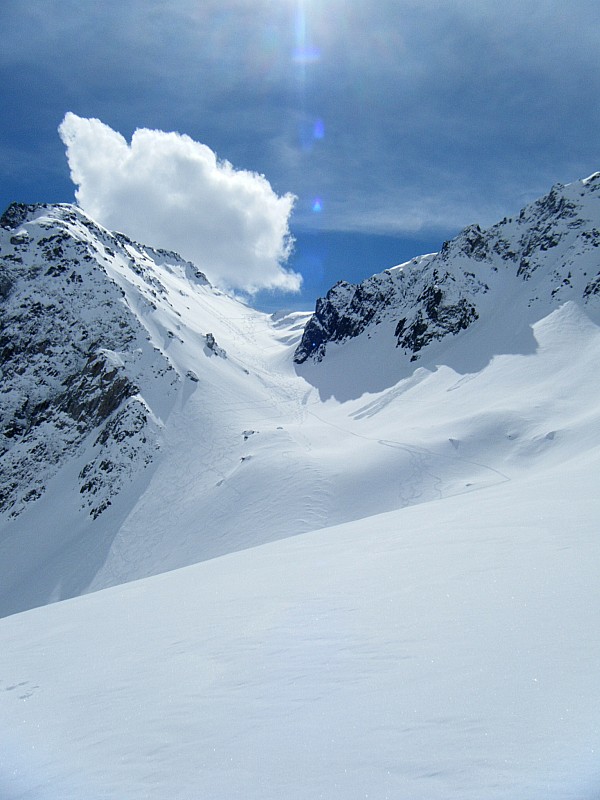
x,y
434,434
446,650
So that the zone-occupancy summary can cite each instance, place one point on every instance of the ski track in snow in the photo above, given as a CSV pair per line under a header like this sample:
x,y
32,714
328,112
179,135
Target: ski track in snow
x,y
422,465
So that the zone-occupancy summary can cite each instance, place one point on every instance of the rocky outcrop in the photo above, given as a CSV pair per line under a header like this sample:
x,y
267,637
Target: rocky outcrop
x,y
436,317
345,312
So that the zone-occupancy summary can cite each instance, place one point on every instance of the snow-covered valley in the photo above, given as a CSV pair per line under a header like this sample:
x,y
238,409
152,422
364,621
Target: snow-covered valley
x,y
355,562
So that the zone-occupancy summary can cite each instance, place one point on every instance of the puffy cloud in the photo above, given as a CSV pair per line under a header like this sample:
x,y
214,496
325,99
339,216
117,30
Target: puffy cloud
x,y
167,190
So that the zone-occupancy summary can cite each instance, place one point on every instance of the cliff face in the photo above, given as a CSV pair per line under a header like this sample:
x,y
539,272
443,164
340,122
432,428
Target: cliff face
x,y
552,247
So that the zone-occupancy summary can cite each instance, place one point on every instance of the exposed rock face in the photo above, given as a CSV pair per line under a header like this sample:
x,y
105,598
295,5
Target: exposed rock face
x,y
552,246
75,362
436,317
345,312
434,304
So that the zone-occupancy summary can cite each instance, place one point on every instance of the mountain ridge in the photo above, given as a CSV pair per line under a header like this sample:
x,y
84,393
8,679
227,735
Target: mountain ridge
x,y
444,293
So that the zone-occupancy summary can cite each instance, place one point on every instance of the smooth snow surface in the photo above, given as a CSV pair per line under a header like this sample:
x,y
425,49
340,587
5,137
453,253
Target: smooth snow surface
x,y
448,650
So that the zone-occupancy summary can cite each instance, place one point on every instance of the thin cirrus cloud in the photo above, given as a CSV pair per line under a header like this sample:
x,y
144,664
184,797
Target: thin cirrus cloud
x,y
167,190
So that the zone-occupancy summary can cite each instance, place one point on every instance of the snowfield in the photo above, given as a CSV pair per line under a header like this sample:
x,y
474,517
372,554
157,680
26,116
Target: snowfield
x,y
446,650
369,576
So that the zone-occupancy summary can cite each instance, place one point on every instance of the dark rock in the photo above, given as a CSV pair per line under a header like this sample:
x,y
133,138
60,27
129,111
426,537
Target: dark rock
x,y
345,312
17,213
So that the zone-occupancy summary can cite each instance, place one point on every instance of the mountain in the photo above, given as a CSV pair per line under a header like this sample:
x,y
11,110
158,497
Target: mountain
x,y
494,283
350,553
73,357
131,386
111,361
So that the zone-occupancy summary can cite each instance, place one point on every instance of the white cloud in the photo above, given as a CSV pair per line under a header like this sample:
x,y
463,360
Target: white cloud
x,y
167,190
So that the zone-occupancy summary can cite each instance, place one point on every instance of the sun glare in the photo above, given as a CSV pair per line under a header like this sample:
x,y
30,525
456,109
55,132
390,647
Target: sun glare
x,y
304,51
306,56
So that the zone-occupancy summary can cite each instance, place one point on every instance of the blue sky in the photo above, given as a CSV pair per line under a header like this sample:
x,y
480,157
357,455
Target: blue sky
x,y
393,122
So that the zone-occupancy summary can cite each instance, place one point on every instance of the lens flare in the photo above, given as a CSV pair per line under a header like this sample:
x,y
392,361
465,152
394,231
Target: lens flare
x,y
304,52
311,128
306,55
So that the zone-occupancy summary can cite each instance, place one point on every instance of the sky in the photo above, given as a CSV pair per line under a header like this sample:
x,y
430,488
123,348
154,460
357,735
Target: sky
x,y
288,144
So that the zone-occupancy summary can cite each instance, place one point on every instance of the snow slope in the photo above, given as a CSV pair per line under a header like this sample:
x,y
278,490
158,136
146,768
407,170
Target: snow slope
x,y
446,650
361,576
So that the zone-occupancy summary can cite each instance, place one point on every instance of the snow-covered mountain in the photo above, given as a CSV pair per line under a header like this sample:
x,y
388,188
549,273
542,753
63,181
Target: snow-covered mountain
x,y
74,356
113,368
500,280
131,386
387,511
